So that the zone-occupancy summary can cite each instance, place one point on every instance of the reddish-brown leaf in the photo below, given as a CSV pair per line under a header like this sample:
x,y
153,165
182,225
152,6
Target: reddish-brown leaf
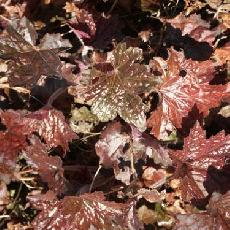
x,y
154,178
51,125
81,16
195,27
197,155
88,211
179,94
118,143
219,206
12,142
29,62
49,167
216,217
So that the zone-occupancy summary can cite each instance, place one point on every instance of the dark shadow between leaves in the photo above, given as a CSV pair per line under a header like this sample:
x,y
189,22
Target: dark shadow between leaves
x,y
215,123
218,180
199,51
189,121
40,95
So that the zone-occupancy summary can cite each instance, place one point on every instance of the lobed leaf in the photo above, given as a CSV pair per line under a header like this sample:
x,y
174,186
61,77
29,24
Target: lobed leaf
x,y
114,87
196,157
80,16
50,125
88,211
29,62
179,94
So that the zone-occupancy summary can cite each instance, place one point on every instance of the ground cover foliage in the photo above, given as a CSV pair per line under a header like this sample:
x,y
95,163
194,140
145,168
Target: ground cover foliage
x,y
114,114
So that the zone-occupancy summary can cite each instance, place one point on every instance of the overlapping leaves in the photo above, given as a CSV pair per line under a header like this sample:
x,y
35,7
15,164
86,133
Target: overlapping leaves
x,y
88,211
51,127
216,217
114,87
121,144
28,61
112,84
48,167
179,93
197,156
195,27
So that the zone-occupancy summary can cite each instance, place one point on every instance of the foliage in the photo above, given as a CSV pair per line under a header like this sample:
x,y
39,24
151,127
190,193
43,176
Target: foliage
x,y
114,114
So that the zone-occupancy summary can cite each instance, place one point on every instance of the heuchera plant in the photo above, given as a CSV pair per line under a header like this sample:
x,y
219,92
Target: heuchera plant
x,y
114,115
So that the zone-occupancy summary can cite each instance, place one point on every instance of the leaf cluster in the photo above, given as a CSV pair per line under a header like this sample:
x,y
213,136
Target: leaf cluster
x,y
114,115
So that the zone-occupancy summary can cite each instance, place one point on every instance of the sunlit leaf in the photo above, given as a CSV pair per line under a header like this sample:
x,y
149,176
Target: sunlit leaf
x,y
51,125
18,138
185,84
88,211
195,27
114,87
197,156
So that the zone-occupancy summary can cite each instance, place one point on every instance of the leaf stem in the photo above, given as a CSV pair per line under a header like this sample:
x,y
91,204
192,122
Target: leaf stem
x,y
98,170
112,7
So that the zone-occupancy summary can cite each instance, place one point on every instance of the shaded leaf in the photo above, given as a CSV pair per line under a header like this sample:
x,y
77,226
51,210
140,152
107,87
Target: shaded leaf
x,y
218,179
80,16
12,141
179,94
119,144
197,155
150,5
95,29
28,61
49,167
49,124
108,30
219,205
114,87
88,211
151,146
216,217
